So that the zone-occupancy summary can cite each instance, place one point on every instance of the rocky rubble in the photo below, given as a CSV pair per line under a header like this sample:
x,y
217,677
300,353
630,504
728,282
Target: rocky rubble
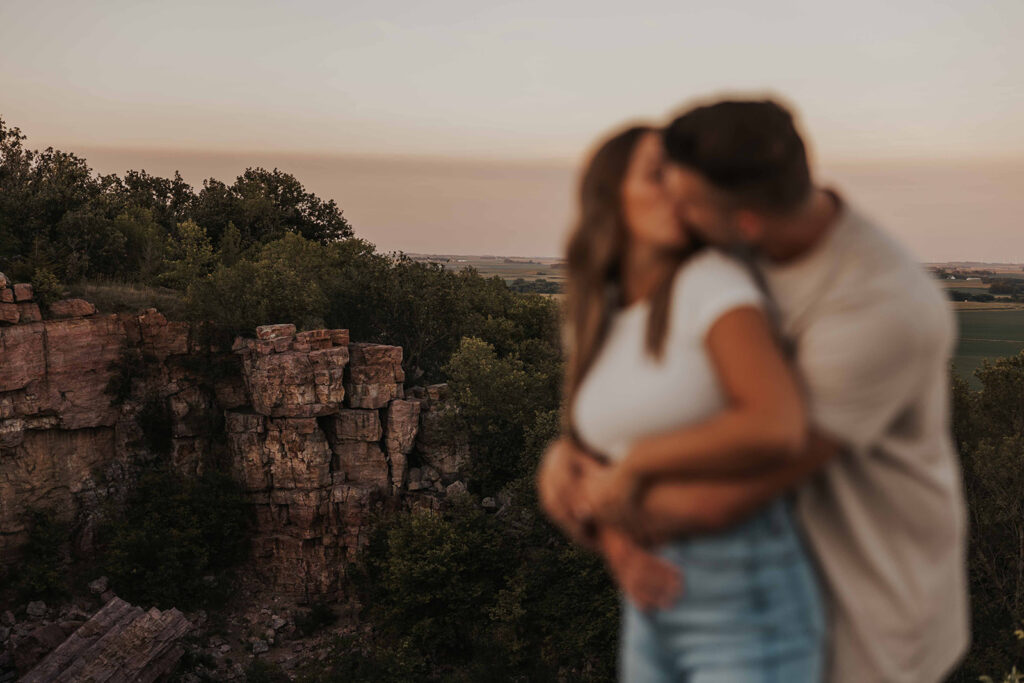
x,y
121,644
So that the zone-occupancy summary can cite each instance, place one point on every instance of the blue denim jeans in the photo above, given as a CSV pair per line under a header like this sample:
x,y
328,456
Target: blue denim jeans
x,y
750,611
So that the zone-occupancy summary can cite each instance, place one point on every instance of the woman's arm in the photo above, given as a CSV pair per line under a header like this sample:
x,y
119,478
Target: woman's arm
x,y
764,424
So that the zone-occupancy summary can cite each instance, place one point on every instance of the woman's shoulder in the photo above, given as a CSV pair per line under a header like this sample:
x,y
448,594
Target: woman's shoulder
x,y
713,268
710,283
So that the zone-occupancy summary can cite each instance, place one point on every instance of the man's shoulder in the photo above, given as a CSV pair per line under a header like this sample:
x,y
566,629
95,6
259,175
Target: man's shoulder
x,y
878,279
882,263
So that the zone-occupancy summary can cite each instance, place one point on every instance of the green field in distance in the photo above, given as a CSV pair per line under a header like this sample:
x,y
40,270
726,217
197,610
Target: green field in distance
x,y
987,334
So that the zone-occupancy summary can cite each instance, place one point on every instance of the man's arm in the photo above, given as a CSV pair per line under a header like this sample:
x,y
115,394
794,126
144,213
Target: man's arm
x,y
674,508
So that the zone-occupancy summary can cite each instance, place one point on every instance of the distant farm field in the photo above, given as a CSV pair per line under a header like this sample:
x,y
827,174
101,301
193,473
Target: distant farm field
x,y
987,334
987,329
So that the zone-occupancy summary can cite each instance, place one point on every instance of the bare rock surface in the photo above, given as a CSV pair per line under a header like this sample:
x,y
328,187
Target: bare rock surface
x,y
71,308
120,643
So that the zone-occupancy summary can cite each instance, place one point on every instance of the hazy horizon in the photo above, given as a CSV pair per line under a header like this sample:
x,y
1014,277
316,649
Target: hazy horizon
x,y
943,211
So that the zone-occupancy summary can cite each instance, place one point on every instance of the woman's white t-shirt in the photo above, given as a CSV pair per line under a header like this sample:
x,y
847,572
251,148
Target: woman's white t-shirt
x,y
627,394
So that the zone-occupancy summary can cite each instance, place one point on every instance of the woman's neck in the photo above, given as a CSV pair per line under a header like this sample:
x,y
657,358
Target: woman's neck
x,y
644,266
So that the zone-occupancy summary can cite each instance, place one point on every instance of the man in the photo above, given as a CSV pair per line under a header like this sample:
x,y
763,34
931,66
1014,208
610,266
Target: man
x,y
878,491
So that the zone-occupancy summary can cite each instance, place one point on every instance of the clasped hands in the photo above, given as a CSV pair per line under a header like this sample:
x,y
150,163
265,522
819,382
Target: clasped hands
x,y
611,494
599,505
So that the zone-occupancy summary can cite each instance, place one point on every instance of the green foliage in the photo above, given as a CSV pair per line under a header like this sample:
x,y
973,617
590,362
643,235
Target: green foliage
x,y
467,595
57,215
989,430
130,297
498,399
253,293
46,287
129,365
175,538
190,256
387,299
146,243
42,571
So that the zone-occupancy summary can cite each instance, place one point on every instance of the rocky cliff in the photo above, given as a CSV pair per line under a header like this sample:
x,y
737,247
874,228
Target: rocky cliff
x,y
318,429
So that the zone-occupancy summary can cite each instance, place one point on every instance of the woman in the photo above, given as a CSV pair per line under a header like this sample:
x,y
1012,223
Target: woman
x,y
674,372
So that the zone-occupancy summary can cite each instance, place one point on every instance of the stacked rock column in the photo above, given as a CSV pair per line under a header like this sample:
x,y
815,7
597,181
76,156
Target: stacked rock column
x,y
325,438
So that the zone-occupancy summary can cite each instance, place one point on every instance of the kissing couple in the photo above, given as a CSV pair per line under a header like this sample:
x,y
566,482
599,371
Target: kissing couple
x,y
756,432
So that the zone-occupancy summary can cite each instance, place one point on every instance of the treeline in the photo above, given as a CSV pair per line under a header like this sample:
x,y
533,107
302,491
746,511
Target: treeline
x,y
539,286
58,217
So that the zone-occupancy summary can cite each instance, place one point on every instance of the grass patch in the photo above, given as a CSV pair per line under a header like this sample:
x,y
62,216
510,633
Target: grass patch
x,y
122,297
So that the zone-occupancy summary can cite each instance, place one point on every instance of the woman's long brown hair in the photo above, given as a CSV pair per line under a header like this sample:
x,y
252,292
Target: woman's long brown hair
x,y
595,250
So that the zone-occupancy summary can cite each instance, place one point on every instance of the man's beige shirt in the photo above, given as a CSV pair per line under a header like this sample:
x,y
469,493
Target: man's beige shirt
x,y
885,518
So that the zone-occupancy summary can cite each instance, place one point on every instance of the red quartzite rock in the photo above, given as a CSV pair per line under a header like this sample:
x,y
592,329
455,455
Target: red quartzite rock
x,y
400,428
351,424
22,291
6,294
81,355
29,311
267,332
71,308
288,375
363,463
374,375
447,453
9,313
121,642
162,338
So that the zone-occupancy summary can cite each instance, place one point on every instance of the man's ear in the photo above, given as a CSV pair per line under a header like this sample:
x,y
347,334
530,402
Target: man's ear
x,y
750,225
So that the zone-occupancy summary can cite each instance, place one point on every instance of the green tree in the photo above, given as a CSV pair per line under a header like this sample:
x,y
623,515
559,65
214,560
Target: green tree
x,y
190,256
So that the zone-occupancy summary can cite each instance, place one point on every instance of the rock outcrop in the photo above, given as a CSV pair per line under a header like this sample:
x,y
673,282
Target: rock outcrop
x,y
318,429
324,437
120,644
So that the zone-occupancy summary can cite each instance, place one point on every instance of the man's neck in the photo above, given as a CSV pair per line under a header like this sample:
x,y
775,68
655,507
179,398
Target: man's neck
x,y
794,236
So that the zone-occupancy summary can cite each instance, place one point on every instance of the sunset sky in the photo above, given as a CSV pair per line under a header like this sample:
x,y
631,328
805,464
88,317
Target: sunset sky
x,y
210,87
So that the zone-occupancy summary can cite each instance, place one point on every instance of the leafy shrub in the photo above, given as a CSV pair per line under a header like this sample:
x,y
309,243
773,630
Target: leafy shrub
x,y
466,595
42,571
989,430
46,288
175,538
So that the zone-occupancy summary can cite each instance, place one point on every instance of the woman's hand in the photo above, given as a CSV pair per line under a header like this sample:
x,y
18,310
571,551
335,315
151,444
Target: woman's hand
x,y
648,580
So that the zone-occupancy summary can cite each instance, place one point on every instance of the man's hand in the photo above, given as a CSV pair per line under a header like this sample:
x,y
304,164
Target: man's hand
x,y
611,496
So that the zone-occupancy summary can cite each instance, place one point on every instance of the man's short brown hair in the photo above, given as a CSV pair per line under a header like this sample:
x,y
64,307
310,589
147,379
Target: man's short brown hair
x,y
749,149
